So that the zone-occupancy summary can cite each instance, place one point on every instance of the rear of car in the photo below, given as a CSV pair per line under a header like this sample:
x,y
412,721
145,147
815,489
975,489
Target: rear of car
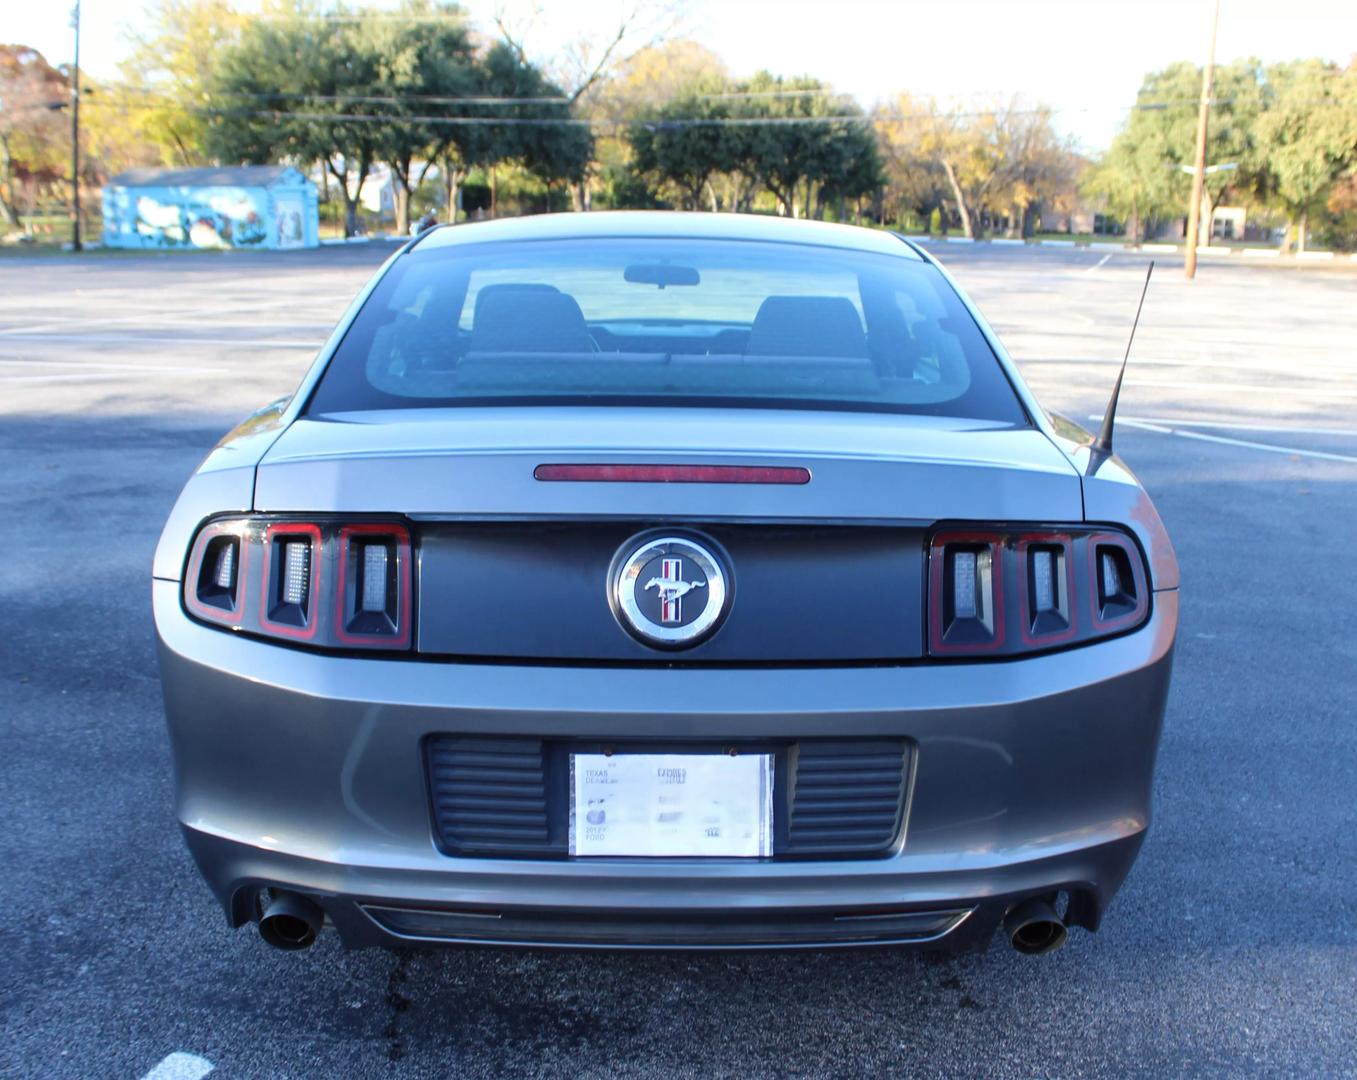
x,y
663,580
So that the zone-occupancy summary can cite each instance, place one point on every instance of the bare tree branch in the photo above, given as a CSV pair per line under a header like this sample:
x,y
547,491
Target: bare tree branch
x,y
660,19
585,62
509,36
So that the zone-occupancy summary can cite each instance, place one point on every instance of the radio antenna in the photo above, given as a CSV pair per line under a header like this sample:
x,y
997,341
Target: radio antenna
x,y
1103,443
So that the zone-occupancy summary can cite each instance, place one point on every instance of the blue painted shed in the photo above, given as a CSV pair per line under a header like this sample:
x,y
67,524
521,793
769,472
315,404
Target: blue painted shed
x,y
244,206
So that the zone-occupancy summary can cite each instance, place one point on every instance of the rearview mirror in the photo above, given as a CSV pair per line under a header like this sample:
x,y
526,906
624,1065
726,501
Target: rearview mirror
x,y
662,274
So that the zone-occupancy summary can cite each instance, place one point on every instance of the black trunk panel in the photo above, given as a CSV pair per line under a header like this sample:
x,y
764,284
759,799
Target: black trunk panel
x,y
801,593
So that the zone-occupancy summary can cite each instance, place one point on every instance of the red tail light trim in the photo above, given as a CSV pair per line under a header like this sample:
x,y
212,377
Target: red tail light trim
x,y
1010,548
1066,543
314,588
194,572
674,474
404,595
1130,618
937,556
331,618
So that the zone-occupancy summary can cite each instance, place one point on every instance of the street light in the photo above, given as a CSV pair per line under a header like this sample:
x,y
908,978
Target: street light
x,y
1191,238
1226,166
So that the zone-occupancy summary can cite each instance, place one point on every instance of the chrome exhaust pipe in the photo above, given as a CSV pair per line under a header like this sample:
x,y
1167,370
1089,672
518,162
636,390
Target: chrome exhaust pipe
x,y
1034,928
291,921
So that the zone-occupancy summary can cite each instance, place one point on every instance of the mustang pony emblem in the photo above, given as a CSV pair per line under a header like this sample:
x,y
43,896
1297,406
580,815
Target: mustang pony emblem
x,y
657,572
672,589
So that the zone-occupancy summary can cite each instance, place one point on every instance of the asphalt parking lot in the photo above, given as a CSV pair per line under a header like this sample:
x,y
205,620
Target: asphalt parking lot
x,y
1231,951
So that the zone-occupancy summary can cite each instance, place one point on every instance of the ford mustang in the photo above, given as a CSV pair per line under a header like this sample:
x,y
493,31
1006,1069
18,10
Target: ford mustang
x,y
664,581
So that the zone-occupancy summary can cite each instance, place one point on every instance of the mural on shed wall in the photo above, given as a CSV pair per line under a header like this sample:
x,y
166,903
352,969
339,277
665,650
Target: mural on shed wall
x,y
291,231
182,212
198,217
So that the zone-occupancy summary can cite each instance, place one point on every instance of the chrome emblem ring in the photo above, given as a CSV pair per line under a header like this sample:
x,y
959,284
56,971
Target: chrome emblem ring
x,y
669,592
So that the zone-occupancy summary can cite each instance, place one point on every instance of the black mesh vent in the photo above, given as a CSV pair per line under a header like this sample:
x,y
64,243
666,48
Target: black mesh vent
x,y
846,797
489,795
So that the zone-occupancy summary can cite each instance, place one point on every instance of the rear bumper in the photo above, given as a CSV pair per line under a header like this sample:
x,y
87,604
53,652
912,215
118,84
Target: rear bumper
x,y
525,904
304,771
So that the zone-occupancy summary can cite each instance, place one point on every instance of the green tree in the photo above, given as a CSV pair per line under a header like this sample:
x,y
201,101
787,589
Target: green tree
x,y
423,53
298,86
640,86
685,142
914,182
1142,175
1132,181
849,168
1307,137
613,40
170,69
797,145
548,140
491,130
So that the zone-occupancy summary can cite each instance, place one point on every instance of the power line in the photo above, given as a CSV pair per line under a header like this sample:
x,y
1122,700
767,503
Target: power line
x,y
474,99
741,95
366,99
605,123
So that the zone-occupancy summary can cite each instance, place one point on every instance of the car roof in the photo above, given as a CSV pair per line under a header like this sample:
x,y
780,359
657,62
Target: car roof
x,y
668,223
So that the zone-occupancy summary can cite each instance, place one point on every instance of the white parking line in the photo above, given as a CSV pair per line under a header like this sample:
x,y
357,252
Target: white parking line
x,y
95,377
1234,425
1100,263
103,364
191,313
1339,370
150,339
1222,388
1201,436
181,1066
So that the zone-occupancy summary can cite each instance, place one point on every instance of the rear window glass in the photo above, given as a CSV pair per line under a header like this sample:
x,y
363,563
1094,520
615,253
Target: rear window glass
x,y
665,322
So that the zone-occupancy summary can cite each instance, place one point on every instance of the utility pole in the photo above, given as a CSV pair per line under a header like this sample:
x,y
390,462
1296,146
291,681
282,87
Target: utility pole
x,y
1194,208
75,133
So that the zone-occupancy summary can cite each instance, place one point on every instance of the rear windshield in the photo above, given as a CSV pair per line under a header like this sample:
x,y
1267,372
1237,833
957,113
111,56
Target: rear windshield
x,y
643,321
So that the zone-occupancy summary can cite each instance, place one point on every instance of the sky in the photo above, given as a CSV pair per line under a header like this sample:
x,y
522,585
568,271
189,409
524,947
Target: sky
x,y
1085,58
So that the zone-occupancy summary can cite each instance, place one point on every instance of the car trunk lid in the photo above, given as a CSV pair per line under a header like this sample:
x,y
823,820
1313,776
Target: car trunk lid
x,y
865,467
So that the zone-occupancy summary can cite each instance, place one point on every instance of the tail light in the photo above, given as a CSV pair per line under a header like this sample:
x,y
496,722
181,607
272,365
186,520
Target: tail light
x,y
214,579
1004,591
338,584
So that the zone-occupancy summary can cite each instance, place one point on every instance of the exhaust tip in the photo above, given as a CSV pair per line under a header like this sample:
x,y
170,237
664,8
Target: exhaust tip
x,y
290,922
1034,928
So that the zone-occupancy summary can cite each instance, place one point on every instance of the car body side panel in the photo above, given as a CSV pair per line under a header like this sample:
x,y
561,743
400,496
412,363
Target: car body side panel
x,y
1113,494
217,488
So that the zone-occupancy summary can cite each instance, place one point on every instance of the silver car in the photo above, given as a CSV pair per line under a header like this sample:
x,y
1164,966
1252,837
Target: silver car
x,y
651,580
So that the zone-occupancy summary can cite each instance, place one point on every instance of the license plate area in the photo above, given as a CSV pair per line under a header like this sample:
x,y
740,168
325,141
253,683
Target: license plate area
x,y
671,805
509,796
